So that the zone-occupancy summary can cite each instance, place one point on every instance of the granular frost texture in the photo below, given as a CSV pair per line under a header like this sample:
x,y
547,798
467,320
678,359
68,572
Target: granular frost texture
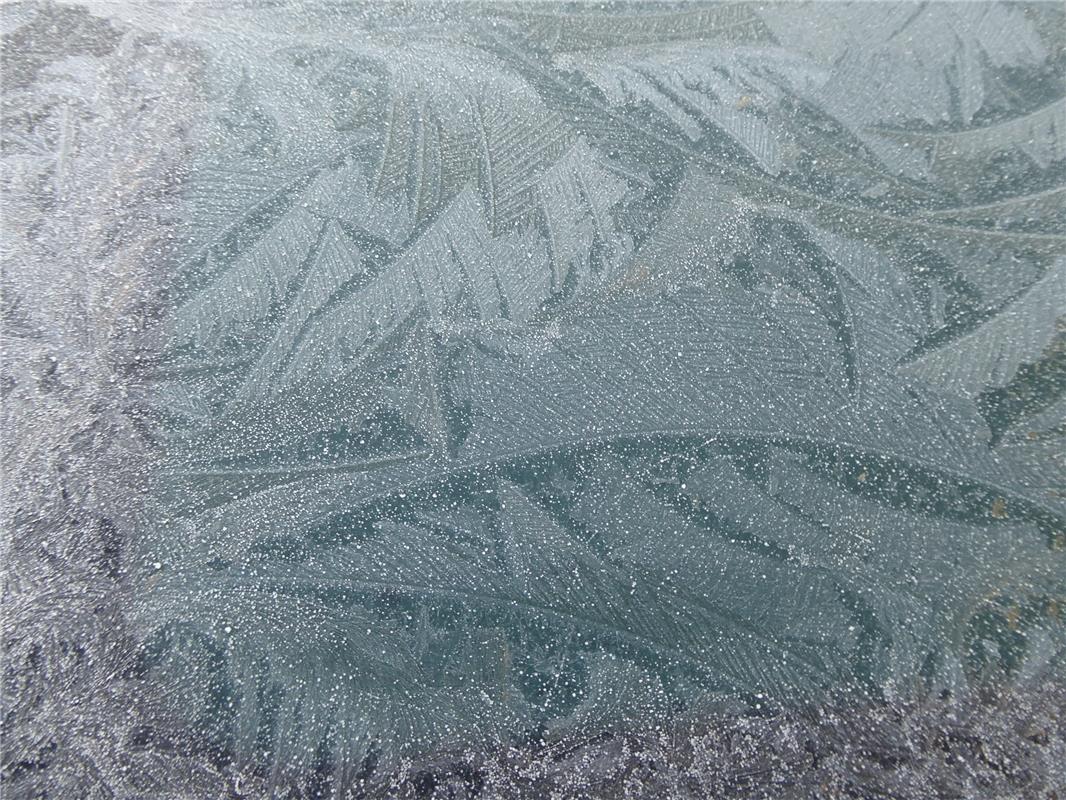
x,y
502,400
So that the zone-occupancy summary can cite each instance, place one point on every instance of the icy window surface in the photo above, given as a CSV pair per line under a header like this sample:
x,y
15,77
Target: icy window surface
x,y
519,370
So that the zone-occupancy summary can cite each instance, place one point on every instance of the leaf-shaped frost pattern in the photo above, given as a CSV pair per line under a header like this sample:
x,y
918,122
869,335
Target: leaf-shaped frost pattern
x,y
525,372
1040,134
457,269
919,556
456,259
991,354
734,22
735,90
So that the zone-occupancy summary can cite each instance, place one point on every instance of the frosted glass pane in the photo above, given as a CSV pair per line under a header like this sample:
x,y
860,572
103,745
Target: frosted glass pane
x,y
449,384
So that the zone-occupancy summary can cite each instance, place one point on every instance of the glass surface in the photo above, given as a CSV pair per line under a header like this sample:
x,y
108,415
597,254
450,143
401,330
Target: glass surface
x,y
475,384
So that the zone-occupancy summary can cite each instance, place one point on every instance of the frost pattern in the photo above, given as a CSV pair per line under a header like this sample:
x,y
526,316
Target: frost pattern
x,y
521,373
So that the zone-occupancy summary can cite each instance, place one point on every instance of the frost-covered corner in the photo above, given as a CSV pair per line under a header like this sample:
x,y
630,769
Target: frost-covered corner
x,y
92,142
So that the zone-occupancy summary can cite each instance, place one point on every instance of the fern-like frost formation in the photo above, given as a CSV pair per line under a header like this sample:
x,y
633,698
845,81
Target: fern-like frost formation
x,y
526,370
